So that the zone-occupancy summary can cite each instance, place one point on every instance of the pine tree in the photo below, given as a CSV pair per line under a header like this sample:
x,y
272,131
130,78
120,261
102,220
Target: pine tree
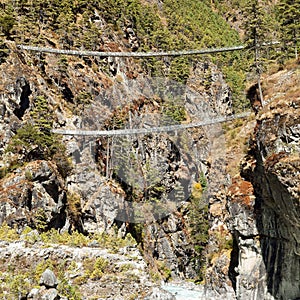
x,y
256,29
7,20
289,18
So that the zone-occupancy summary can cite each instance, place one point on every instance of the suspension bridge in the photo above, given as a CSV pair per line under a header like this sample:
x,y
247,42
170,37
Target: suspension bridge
x,y
141,54
160,129
129,54
168,128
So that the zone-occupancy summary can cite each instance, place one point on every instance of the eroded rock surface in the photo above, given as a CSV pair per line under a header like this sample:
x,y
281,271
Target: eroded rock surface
x,y
265,209
124,273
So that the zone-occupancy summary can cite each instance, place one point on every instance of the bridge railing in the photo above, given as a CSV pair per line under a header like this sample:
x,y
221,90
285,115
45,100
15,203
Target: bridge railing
x,y
169,128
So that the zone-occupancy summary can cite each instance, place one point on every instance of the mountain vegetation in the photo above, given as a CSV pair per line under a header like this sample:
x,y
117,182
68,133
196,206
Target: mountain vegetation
x,y
39,184
288,14
172,25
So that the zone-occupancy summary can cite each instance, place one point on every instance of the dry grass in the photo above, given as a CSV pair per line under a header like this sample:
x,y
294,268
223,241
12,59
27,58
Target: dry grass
x,y
237,135
284,83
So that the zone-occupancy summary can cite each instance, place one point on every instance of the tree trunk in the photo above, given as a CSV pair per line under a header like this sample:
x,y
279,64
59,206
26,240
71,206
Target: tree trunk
x,y
295,41
107,159
258,72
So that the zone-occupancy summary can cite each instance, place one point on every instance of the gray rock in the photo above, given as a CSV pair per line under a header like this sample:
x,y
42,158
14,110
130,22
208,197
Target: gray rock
x,y
33,294
50,294
32,191
48,279
157,293
43,294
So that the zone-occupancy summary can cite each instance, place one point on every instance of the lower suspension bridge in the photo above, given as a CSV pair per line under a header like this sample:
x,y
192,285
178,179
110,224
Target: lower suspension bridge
x,y
160,129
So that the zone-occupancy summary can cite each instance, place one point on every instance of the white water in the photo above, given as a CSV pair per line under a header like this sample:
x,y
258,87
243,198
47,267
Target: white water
x,y
189,291
184,292
181,293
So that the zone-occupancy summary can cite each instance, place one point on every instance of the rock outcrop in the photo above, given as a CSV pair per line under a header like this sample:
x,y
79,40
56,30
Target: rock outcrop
x,y
102,273
87,198
34,196
264,206
253,246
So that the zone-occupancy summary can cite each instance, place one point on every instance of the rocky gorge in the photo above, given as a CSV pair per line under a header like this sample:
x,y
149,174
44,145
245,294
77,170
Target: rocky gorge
x,y
141,216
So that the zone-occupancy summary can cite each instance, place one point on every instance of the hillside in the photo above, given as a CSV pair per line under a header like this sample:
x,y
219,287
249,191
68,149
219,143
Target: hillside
x,y
114,216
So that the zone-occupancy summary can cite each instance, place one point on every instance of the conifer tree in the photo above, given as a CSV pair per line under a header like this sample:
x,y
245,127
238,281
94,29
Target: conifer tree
x,y
289,18
256,28
7,20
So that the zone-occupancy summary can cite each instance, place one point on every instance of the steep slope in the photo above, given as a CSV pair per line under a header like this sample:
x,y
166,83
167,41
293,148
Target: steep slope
x,y
264,205
90,185
233,232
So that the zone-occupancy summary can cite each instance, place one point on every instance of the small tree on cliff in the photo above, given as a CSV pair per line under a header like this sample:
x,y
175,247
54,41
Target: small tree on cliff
x,y
35,140
7,21
256,28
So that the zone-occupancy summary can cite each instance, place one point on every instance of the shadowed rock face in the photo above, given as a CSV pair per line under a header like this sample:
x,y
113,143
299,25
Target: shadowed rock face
x,y
35,193
23,91
266,226
276,180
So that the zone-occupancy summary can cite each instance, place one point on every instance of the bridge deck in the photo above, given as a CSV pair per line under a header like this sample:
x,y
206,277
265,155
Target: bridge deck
x,y
169,128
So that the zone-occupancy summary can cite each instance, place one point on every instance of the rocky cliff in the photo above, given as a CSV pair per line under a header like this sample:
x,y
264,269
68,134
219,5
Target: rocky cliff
x,y
114,216
253,248
88,185
264,203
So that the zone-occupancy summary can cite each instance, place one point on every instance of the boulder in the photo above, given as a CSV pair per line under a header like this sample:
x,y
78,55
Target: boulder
x,y
48,279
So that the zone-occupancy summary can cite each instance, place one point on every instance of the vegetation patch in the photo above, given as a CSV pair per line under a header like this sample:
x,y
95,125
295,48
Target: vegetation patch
x,y
94,269
75,239
7,233
35,141
19,279
199,224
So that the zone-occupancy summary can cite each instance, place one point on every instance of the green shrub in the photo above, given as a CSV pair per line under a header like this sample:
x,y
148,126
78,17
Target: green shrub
x,y
126,267
71,291
75,239
113,242
93,269
28,175
7,22
174,111
74,207
199,223
35,140
63,163
7,233
164,270
3,171
4,52
14,286
224,242
40,220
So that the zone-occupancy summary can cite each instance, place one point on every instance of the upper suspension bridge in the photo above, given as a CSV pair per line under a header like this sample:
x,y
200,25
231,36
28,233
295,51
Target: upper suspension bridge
x,y
130,54
141,54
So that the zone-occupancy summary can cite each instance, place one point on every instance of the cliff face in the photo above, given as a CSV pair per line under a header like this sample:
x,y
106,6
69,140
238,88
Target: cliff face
x,y
264,204
77,189
241,232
